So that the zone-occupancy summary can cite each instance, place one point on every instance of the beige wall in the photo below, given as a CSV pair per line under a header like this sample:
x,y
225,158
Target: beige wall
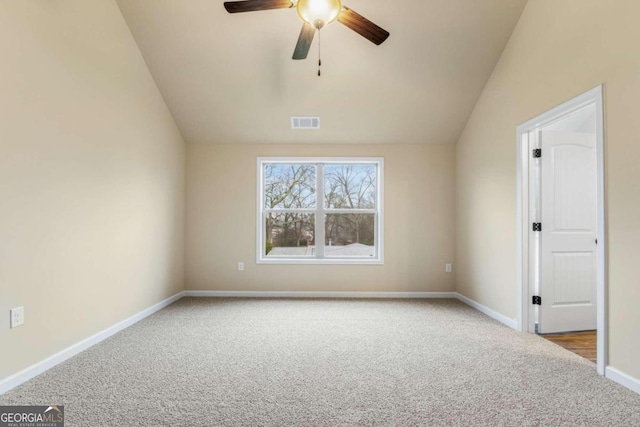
x,y
559,49
91,178
221,221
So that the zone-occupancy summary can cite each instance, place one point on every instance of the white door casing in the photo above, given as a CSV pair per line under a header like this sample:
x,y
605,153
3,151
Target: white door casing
x,y
569,232
526,242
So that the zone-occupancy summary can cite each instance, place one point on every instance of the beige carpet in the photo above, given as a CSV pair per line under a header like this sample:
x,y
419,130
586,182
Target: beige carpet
x,y
286,362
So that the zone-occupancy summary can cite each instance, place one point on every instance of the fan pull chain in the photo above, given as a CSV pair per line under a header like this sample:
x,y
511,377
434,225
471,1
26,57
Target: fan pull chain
x,y
319,52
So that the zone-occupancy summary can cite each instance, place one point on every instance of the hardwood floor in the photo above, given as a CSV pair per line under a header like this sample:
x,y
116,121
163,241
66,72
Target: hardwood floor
x,y
581,343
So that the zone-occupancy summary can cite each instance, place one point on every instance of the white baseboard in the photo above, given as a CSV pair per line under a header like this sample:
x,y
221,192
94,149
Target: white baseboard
x,y
512,323
319,294
622,378
26,374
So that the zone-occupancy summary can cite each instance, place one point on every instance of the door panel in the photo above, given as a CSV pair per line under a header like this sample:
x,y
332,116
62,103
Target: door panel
x,y
573,197
574,278
568,241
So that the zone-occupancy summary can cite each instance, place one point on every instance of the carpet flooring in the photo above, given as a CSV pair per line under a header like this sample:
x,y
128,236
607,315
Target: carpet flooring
x,y
320,362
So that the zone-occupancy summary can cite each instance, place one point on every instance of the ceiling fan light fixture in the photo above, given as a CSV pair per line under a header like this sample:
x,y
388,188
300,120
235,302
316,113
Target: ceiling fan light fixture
x,y
319,13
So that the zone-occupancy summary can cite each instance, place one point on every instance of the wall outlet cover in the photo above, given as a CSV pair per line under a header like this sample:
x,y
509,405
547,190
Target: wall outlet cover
x,y
17,316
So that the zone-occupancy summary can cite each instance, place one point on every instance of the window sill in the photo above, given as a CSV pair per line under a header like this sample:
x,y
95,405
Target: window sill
x,y
320,261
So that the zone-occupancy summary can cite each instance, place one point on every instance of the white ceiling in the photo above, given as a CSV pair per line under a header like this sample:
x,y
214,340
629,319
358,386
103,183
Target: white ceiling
x,y
230,78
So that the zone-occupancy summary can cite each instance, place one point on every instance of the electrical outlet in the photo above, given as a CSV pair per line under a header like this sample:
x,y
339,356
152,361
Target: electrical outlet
x,y
447,268
17,316
241,266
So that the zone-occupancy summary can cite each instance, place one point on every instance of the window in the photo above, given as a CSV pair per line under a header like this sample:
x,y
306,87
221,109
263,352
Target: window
x,y
320,211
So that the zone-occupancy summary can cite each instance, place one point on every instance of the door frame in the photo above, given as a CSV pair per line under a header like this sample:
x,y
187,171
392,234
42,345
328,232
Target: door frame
x,y
526,311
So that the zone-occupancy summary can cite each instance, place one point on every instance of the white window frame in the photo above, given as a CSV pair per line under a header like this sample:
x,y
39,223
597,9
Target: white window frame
x,y
320,211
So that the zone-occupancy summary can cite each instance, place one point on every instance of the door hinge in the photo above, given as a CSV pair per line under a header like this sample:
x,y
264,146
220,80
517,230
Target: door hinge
x,y
537,226
536,300
537,153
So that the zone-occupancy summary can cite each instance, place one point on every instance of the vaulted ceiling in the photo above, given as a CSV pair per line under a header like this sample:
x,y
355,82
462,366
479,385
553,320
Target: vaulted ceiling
x,y
230,78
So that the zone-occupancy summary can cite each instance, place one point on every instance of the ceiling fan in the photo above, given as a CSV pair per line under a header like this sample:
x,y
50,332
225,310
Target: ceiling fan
x,y
315,15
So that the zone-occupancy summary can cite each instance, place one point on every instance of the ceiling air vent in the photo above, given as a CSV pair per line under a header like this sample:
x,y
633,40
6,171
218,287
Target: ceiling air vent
x,y
305,122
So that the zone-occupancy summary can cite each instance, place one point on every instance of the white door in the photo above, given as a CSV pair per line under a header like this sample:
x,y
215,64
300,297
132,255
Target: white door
x,y
569,232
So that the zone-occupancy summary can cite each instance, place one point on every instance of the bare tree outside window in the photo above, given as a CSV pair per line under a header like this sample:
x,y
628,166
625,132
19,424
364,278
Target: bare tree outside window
x,y
349,187
289,187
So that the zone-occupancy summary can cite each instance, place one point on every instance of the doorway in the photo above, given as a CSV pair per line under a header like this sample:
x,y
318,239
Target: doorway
x,y
561,235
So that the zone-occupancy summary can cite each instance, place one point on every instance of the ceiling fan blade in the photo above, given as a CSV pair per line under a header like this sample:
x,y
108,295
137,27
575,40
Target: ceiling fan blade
x,y
304,41
256,5
362,26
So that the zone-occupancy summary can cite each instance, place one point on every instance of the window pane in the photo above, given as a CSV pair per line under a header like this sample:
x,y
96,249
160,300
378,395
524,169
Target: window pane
x,y
350,186
289,235
349,235
289,186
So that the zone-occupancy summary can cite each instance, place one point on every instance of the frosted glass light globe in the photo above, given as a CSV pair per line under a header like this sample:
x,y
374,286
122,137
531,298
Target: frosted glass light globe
x,y
319,12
